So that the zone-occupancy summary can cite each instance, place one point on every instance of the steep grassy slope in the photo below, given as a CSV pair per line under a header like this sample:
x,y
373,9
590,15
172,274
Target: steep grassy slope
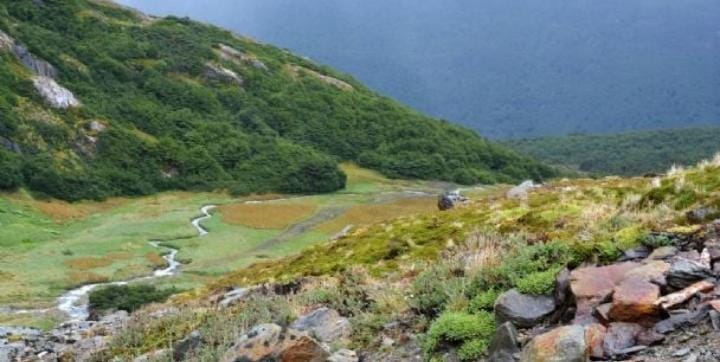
x,y
433,272
175,104
633,153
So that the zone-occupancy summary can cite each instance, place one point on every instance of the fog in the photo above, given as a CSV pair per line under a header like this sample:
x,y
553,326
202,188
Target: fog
x,y
508,68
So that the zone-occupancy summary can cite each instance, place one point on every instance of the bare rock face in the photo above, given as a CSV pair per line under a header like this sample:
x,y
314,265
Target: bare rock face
x,y
216,72
524,311
56,95
6,42
504,344
231,54
37,65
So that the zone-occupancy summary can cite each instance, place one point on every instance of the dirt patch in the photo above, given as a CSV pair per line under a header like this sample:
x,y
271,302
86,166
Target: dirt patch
x,y
265,216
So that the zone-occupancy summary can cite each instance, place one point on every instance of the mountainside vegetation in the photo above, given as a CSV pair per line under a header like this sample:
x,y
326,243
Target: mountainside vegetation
x,y
98,101
509,69
632,153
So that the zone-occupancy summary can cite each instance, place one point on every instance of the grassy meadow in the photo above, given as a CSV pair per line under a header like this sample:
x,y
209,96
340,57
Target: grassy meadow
x,y
50,246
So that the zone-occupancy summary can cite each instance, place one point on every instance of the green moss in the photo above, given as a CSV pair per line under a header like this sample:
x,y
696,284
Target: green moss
x,y
473,350
629,237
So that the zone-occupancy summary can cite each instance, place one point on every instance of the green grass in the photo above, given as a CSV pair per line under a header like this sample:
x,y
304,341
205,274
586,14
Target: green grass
x,y
50,247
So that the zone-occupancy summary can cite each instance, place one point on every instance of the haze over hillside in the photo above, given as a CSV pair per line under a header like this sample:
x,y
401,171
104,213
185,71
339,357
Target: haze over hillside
x,y
507,68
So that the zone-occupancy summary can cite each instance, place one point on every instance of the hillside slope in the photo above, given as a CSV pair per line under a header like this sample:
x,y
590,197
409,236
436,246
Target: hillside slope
x,y
97,100
632,153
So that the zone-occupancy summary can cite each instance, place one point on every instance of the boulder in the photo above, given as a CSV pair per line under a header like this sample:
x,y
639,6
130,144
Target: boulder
x,y
186,347
592,286
594,338
504,344
620,336
652,271
634,301
56,95
521,191
525,311
234,296
450,199
663,253
701,214
270,342
685,272
563,344
325,324
684,319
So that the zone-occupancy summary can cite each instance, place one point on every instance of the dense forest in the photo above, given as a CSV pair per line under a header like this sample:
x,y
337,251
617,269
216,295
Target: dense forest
x,y
169,103
509,69
632,153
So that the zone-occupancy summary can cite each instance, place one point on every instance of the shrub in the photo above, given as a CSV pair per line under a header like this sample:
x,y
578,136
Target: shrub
x,y
538,283
429,291
484,301
468,332
127,297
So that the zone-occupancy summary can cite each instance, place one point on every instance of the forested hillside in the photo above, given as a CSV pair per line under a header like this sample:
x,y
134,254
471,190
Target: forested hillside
x,y
97,101
633,153
509,69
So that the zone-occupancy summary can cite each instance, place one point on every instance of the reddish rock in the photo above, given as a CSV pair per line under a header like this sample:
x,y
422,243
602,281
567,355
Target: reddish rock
x,y
620,336
649,337
603,312
563,344
593,285
634,301
652,271
594,339
304,349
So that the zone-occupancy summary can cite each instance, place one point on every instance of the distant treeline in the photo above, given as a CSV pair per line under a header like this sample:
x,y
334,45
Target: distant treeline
x,y
633,153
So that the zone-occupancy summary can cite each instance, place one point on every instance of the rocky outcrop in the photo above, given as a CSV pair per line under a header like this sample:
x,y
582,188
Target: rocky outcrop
x,y
521,191
523,310
6,42
296,71
449,200
56,95
218,73
504,345
233,55
270,342
36,65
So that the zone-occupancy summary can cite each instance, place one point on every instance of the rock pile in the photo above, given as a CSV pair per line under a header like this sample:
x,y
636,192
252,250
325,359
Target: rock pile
x,y
617,311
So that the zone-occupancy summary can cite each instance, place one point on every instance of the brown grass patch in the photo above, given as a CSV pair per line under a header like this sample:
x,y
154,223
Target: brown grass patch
x,y
155,259
6,276
86,277
85,263
61,211
371,214
265,216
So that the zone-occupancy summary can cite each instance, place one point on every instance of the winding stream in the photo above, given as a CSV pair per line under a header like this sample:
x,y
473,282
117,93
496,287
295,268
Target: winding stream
x,y
75,302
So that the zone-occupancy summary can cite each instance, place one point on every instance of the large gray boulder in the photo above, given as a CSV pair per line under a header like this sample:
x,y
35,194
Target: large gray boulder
x,y
685,272
524,311
504,345
36,65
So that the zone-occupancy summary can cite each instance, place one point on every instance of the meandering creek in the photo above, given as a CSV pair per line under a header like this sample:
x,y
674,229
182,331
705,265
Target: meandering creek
x,y
75,302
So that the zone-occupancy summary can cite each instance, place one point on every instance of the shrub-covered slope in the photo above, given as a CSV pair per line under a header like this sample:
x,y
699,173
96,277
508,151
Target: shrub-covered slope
x,y
632,153
174,104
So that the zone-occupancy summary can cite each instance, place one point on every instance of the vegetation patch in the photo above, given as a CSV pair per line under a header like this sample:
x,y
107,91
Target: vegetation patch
x,y
266,215
127,297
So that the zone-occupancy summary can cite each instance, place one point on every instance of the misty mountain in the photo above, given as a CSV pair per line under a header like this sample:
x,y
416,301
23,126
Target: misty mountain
x,y
507,68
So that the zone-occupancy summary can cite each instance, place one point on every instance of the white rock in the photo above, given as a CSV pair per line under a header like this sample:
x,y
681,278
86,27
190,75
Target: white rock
x,y
56,95
521,191
6,42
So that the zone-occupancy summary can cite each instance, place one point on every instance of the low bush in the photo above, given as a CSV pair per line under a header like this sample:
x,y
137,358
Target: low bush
x,y
127,297
469,332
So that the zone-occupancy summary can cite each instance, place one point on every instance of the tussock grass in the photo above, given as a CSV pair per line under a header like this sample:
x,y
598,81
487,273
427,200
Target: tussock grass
x,y
267,215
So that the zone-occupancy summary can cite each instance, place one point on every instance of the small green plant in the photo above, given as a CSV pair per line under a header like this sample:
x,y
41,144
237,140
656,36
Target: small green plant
x,y
657,240
484,301
468,332
67,252
429,291
538,283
